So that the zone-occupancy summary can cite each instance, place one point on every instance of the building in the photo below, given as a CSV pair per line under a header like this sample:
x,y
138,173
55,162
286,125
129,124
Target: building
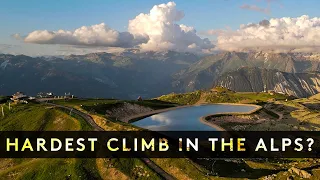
x,y
19,97
45,95
68,96
49,94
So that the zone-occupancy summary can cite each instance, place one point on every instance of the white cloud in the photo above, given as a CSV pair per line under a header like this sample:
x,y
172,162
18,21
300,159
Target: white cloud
x,y
96,35
163,32
156,31
217,32
284,34
163,119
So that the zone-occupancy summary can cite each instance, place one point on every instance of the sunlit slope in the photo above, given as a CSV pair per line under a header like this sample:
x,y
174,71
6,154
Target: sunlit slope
x,y
221,95
315,97
37,117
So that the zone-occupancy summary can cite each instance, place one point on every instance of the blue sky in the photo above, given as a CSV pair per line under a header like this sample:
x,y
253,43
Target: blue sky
x,y
24,17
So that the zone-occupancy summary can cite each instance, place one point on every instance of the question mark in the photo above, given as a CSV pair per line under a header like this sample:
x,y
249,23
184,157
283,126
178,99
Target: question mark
x,y
311,141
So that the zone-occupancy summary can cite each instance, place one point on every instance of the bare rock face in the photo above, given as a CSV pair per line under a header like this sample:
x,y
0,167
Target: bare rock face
x,y
127,109
303,174
259,80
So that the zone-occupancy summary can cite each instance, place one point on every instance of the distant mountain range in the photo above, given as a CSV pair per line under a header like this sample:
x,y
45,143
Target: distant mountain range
x,y
203,73
130,74
123,75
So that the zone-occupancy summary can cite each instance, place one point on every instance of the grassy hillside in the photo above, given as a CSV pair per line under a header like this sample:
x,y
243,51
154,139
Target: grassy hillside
x,y
100,105
221,95
179,168
182,99
36,117
301,114
315,97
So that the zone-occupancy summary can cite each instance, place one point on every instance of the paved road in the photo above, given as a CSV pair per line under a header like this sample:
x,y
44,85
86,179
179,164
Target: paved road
x,y
89,119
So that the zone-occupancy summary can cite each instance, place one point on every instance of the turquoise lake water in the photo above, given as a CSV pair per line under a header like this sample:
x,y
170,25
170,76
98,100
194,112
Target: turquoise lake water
x,y
187,119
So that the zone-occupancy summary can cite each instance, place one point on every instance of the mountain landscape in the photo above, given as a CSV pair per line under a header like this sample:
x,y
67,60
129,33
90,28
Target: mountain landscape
x,y
263,80
220,67
130,74
203,73
124,75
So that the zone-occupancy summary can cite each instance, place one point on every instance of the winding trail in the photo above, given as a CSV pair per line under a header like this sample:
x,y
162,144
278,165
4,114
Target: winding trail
x,y
280,115
163,174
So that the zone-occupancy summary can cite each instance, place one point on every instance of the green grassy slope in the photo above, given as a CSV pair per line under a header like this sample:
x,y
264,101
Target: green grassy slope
x,y
100,105
35,117
220,95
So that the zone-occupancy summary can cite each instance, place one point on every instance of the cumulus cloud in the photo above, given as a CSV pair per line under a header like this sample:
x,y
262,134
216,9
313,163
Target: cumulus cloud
x,y
217,32
255,8
156,31
278,34
96,35
163,31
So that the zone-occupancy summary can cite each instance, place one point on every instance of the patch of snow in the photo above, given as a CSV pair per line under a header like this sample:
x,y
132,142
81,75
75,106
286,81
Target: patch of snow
x,y
4,64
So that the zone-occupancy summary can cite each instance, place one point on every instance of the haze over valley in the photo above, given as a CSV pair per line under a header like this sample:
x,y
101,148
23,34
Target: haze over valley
x,y
151,74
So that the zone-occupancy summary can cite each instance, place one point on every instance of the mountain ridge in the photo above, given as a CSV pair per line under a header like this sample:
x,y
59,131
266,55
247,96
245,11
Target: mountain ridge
x,y
202,73
263,80
91,75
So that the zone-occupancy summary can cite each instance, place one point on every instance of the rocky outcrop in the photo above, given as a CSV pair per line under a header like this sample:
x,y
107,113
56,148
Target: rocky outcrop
x,y
124,110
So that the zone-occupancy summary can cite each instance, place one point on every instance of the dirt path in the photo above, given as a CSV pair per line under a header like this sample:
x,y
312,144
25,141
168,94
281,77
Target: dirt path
x,y
202,99
276,112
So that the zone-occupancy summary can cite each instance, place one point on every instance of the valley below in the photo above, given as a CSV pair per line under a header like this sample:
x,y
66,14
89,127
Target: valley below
x,y
278,112
127,75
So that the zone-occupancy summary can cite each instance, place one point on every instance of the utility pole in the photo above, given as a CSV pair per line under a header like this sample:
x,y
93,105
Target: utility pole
x,y
9,106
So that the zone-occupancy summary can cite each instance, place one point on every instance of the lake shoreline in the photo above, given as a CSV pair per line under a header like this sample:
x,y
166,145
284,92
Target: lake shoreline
x,y
202,119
